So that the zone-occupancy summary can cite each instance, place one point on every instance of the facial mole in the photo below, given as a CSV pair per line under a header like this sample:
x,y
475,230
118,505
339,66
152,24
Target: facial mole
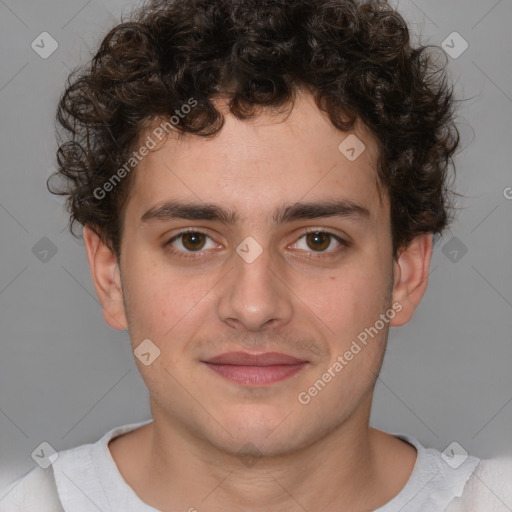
x,y
332,277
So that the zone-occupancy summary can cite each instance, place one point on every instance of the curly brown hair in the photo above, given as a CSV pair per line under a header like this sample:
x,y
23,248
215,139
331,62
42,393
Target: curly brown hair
x,y
354,57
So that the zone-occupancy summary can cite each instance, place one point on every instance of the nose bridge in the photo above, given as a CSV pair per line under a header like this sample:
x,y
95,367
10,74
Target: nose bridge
x,y
253,295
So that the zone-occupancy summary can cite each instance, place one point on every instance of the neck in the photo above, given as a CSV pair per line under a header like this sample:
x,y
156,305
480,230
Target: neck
x,y
354,467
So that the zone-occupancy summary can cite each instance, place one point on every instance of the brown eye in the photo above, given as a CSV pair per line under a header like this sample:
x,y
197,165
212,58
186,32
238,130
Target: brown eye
x,y
318,240
193,241
320,243
190,244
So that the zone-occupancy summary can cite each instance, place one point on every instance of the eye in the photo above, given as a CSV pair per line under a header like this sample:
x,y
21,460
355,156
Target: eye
x,y
319,241
189,241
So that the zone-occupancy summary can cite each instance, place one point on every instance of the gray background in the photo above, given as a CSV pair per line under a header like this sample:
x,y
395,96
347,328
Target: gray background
x,y
66,377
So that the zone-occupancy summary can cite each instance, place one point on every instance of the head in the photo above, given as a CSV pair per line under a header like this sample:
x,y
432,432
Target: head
x,y
259,177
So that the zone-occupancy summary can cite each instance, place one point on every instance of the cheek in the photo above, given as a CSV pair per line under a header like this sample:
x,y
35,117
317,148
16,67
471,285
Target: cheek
x,y
351,297
162,304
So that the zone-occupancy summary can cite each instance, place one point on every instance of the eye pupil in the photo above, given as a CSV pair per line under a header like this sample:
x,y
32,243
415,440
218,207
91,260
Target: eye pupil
x,y
317,237
194,238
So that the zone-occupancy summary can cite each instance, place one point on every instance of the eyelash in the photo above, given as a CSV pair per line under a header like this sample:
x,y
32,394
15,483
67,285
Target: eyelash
x,y
197,254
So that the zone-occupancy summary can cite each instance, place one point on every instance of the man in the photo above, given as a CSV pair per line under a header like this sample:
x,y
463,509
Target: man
x,y
259,183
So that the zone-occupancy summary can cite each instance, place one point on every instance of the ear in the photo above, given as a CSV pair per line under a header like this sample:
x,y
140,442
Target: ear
x,y
410,277
107,280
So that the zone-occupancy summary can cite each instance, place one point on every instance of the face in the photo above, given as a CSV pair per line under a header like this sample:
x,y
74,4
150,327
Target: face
x,y
282,245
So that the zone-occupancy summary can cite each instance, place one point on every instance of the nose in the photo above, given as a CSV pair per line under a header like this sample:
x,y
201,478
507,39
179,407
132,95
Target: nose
x,y
254,296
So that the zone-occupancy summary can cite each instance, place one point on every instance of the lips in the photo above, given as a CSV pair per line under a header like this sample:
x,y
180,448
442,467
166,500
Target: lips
x,y
255,369
245,359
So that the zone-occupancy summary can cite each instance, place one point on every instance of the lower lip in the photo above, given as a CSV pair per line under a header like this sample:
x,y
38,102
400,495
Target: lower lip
x,y
256,375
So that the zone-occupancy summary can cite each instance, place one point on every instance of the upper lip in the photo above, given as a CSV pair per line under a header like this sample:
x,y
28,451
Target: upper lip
x,y
246,359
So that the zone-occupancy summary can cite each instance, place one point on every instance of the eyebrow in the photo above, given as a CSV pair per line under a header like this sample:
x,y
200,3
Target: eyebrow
x,y
171,210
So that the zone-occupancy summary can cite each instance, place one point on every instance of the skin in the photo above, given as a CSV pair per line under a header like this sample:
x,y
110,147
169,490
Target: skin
x,y
322,456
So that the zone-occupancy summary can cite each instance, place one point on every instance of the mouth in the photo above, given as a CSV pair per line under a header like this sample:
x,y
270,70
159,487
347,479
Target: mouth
x,y
255,369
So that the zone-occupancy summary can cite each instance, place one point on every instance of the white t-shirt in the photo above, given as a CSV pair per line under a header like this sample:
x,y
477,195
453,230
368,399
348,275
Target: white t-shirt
x,y
86,479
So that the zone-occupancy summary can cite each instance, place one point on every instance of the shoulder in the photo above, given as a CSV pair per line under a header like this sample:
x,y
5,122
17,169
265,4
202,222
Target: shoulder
x,y
35,491
435,480
54,489
446,471
489,489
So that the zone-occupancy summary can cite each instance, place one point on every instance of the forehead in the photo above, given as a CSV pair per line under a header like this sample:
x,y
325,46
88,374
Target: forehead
x,y
259,164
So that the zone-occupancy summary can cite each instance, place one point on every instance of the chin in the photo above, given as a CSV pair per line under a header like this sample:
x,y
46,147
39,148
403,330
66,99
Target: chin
x,y
258,430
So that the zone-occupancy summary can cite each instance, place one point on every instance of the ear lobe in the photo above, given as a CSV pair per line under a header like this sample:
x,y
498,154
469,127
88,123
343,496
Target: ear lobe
x,y
106,278
411,272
